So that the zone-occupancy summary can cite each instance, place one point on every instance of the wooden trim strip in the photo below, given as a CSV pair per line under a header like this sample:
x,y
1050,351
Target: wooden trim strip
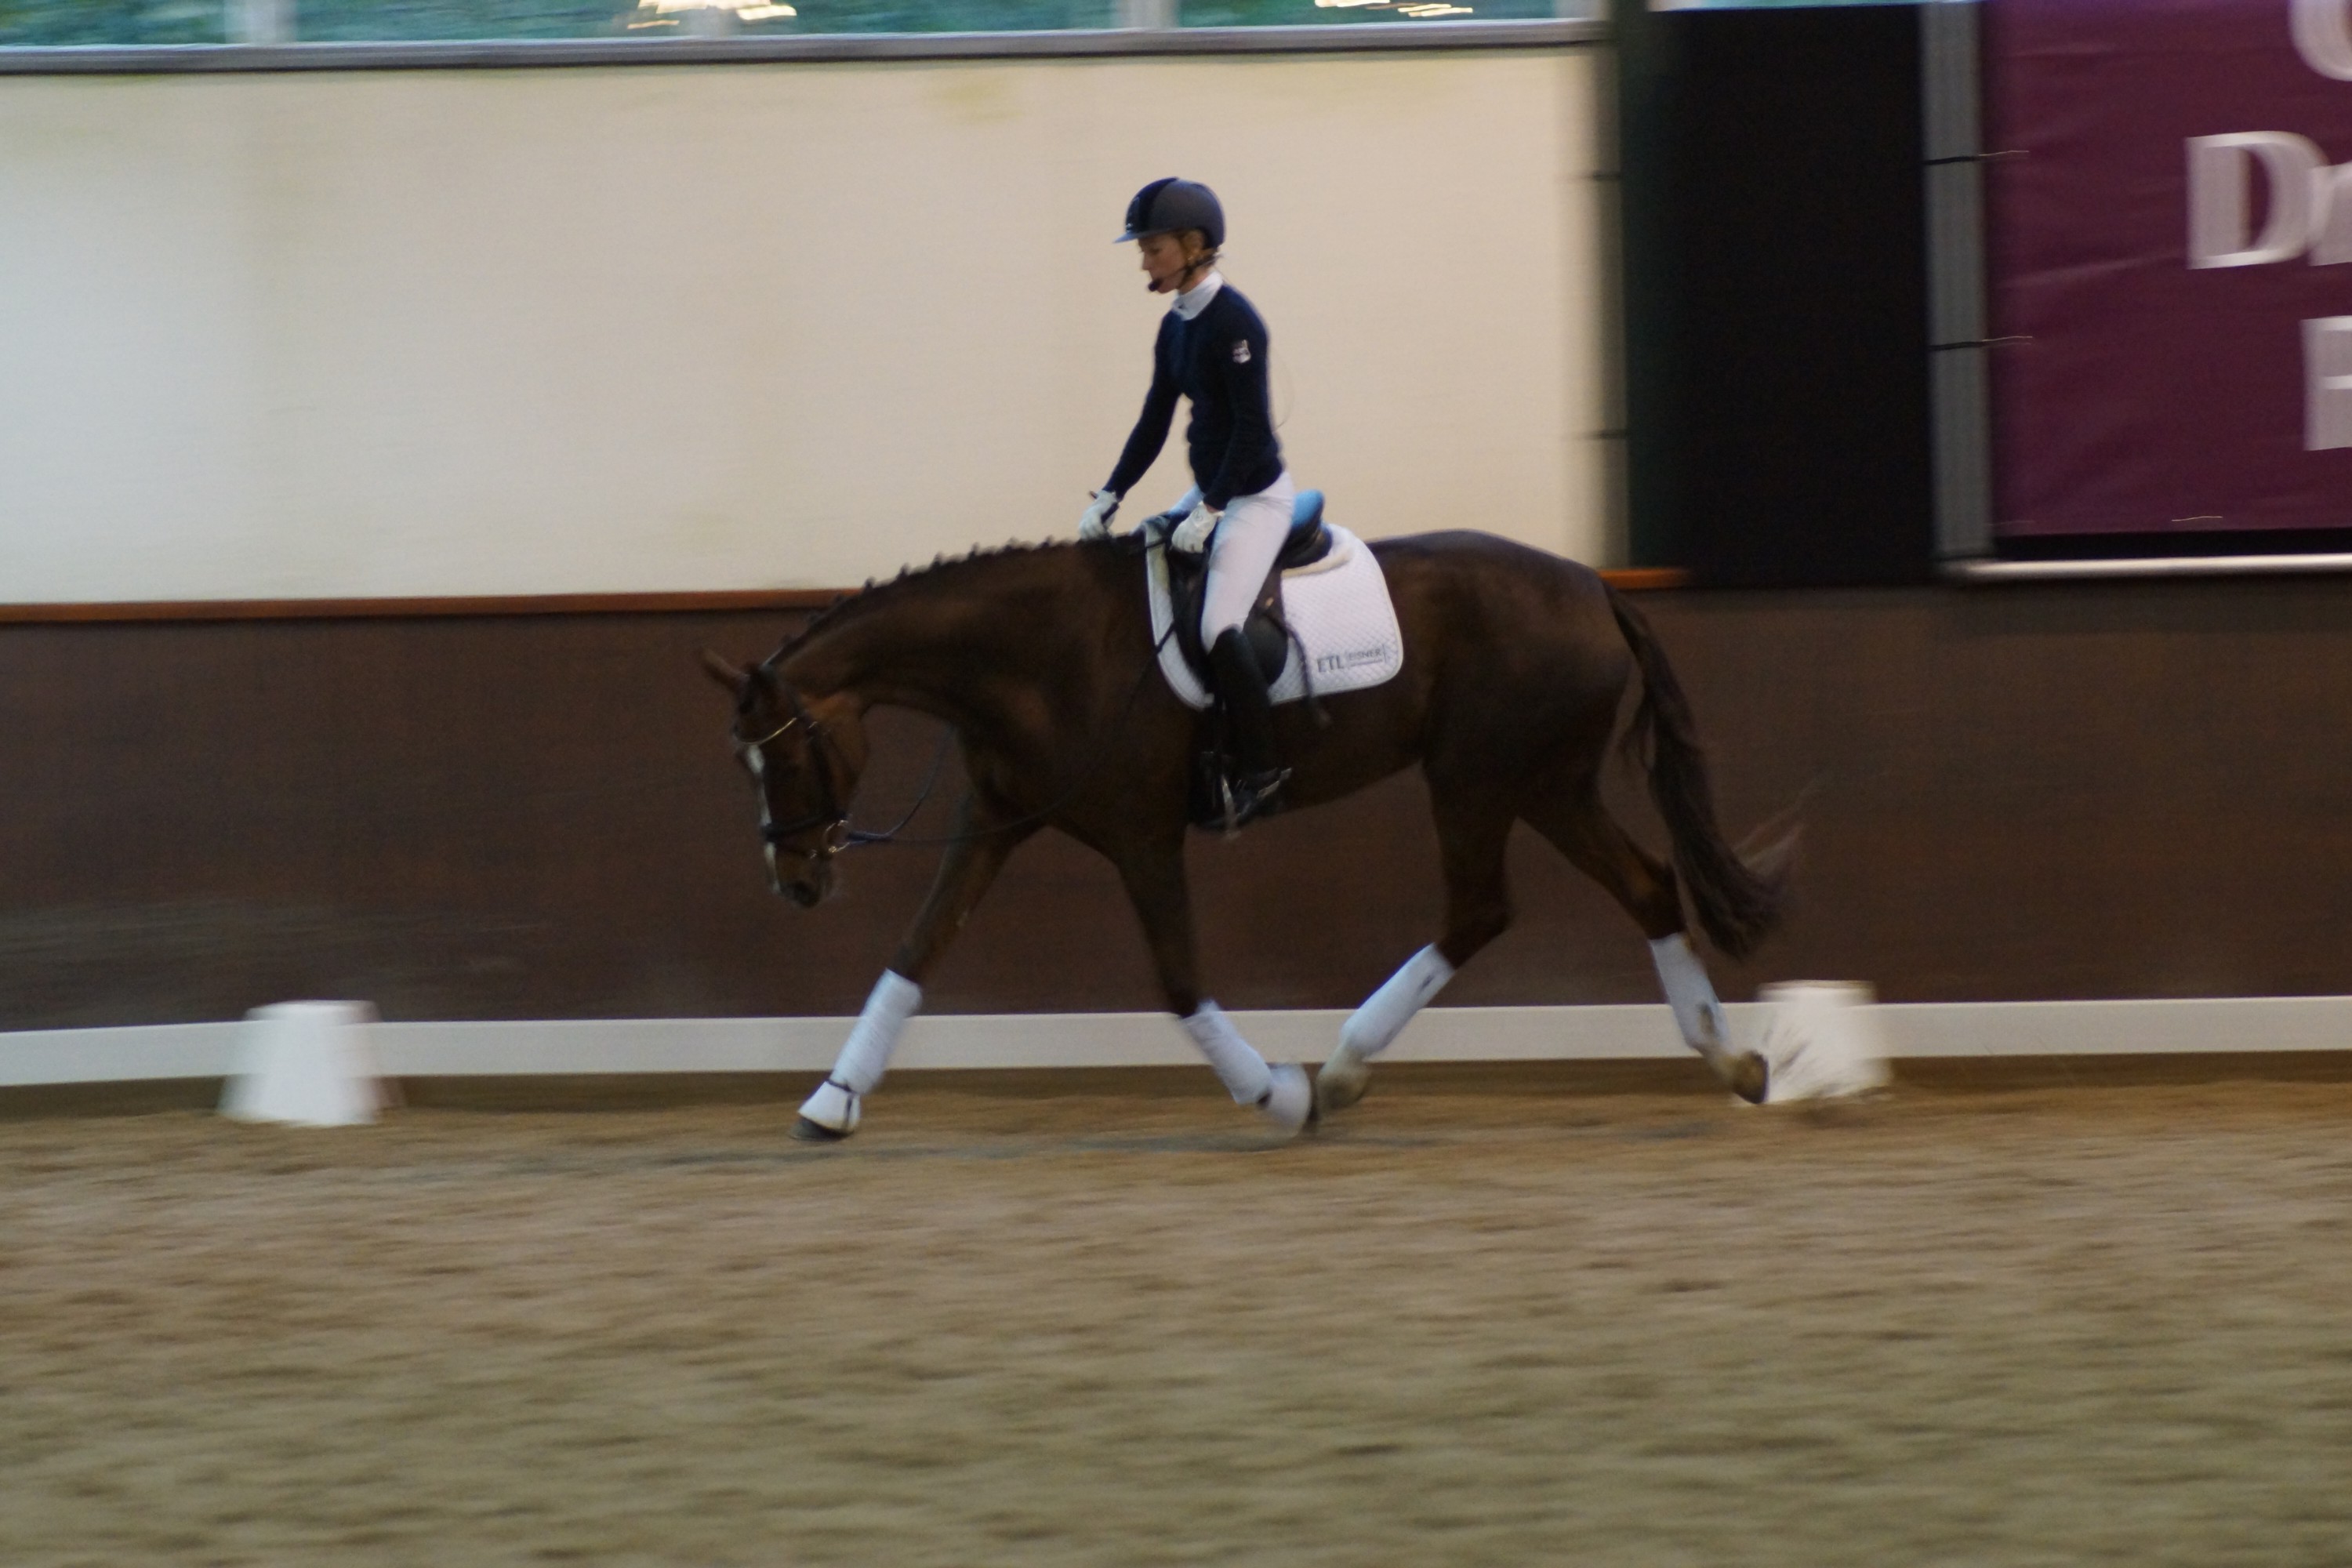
x,y
1634,579
1645,579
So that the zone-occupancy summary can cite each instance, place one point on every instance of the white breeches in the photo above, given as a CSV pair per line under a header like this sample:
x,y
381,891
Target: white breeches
x,y
1248,537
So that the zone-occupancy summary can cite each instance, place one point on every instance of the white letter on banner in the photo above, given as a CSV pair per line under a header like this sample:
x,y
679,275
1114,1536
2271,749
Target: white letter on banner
x,y
2323,36
2328,382
2216,198
2331,215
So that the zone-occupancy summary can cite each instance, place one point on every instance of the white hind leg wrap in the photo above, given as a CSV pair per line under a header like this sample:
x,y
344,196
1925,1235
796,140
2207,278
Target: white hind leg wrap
x,y
1242,1070
865,1056
1691,994
1385,1013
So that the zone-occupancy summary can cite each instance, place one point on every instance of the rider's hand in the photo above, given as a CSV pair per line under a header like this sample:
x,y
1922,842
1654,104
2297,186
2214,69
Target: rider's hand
x,y
1192,535
1094,523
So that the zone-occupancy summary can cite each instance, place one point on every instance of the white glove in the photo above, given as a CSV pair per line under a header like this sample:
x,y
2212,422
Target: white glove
x,y
1192,535
1094,523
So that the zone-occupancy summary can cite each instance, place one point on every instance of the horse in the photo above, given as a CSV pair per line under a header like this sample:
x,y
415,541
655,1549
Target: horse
x,y
1041,660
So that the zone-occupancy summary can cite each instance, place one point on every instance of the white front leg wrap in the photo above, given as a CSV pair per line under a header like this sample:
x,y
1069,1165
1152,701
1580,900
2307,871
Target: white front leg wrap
x,y
1385,1013
1243,1071
865,1056
1691,994
866,1051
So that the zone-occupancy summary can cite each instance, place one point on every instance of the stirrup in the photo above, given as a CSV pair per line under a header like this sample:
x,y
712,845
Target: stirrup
x,y
1249,796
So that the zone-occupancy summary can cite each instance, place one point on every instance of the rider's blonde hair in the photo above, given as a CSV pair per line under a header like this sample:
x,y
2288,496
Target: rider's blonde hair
x,y
1186,238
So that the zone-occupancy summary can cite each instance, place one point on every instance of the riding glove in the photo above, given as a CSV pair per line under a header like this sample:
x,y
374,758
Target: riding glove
x,y
1192,535
1094,523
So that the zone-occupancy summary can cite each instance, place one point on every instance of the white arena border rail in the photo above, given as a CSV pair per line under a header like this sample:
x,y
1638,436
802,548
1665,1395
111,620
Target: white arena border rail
x,y
2265,1024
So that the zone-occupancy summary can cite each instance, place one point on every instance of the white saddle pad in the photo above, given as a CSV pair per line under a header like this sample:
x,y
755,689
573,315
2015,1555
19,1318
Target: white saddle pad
x,y
1340,609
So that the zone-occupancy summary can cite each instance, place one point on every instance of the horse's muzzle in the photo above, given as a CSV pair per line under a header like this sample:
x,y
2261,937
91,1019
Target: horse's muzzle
x,y
811,887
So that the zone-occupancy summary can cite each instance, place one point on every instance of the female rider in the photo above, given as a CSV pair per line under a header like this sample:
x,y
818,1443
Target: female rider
x,y
1212,348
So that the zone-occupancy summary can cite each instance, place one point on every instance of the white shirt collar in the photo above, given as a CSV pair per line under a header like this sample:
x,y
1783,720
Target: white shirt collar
x,y
1195,299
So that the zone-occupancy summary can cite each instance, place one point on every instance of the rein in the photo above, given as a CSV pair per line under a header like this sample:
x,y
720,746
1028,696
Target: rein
x,y
833,816
1042,813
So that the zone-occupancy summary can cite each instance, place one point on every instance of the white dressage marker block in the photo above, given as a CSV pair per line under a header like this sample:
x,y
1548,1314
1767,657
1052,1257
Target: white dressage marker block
x,y
308,1064
1822,1039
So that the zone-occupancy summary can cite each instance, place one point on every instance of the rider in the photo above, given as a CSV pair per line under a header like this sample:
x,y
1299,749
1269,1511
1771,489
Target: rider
x,y
1212,348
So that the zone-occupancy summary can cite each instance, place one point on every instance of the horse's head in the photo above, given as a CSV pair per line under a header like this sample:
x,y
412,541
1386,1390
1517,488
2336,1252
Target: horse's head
x,y
804,756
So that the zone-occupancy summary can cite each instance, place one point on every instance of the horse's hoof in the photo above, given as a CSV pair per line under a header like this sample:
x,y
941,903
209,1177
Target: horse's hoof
x,y
829,1115
1289,1100
1750,1077
1342,1081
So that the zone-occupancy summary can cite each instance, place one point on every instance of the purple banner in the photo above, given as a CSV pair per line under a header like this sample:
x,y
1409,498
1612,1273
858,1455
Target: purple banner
x,y
2171,240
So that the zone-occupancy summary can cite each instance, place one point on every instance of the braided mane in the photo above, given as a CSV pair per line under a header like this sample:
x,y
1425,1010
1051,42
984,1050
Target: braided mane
x,y
848,606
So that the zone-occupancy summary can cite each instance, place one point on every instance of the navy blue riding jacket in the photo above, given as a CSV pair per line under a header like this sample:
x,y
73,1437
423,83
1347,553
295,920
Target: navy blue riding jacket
x,y
1218,361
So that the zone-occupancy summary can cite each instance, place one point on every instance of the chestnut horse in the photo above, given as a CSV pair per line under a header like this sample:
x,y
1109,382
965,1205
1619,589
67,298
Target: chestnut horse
x,y
1041,658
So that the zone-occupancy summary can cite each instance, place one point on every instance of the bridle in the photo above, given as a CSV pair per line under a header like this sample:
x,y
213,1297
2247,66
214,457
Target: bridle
x,y
832,816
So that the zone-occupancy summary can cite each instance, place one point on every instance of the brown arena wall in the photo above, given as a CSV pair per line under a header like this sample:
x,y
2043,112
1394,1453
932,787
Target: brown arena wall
x,y
2123,789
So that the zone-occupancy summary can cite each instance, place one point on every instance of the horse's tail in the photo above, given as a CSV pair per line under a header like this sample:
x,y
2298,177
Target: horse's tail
x,y
1739,902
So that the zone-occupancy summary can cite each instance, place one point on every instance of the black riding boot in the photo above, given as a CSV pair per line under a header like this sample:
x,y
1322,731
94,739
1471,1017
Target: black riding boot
x,y
1249,724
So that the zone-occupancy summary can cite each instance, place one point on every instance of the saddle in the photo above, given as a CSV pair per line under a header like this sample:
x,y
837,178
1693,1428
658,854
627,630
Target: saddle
x,y
1265,633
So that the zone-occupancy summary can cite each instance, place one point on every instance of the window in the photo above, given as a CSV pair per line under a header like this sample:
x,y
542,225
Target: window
x,y
35,22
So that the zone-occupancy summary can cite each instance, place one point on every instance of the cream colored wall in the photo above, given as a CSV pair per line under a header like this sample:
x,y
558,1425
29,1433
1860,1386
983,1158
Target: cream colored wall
x,y
678,329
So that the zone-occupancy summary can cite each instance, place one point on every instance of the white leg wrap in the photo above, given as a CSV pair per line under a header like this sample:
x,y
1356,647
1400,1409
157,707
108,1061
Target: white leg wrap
x,y
1386,1012
832,1107
1691,994
1243,1071
865,1056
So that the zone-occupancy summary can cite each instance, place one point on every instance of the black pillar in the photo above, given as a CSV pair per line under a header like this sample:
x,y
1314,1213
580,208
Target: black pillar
x,y
1776,294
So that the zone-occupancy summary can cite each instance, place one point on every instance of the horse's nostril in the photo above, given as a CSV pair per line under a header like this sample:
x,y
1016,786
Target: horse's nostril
x,y
802,894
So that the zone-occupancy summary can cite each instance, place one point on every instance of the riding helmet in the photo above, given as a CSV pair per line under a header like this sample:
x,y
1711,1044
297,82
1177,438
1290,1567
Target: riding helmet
x,y
1172,206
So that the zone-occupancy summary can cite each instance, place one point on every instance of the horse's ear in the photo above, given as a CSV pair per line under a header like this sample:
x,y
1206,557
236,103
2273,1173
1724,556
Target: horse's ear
x,y
731,675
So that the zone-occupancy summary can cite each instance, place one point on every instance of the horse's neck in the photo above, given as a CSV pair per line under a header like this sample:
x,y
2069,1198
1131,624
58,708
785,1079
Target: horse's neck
x,y
960,646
